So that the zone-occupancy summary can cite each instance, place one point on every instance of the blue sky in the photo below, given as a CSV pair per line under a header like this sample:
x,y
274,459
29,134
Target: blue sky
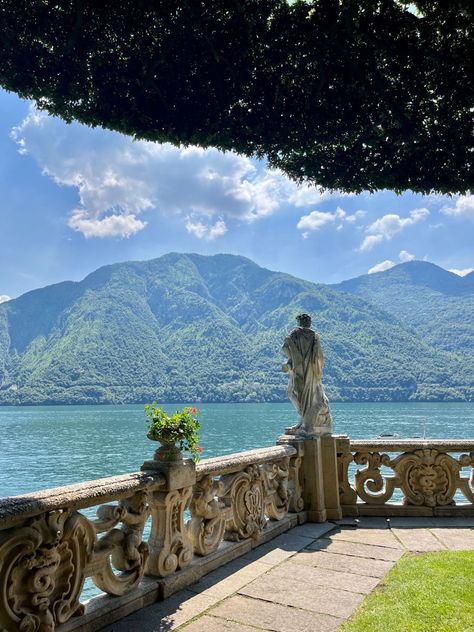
x,y
75,198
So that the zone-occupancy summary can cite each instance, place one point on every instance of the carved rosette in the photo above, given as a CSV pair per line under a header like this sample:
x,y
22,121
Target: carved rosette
x,y
427,477
42,571
170,546
371,486
208,515
275,483
246,497
121,548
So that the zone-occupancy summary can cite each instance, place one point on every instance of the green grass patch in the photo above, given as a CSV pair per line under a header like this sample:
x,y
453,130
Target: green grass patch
x,y
433,592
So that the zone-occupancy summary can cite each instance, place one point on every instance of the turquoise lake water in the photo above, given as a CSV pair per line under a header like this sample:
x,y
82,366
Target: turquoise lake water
x,y
48,446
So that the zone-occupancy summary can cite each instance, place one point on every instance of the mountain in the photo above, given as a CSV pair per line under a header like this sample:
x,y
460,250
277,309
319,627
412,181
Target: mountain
x,y
195,328
436,304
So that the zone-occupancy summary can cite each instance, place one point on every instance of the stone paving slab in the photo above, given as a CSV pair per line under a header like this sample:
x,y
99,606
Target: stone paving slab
x,y
272,616
333,561
320,576
418,540
285,591
375,537
213,624
357,550
228,581
306,580
455,539
165,616
278,550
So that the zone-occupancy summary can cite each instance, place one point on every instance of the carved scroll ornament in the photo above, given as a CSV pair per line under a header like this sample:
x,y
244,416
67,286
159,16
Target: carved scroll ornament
x,y
427,477
208,515
122,548
42,567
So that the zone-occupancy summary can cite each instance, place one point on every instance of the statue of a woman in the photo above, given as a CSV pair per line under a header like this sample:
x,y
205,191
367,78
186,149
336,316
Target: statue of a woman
x,y
305,368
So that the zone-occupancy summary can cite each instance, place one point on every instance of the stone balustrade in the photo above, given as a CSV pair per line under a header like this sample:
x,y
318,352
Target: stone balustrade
x,y
202,516
48,547
406,477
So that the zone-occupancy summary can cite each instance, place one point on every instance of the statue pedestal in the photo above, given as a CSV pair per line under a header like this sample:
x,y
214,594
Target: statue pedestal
x,y
320,475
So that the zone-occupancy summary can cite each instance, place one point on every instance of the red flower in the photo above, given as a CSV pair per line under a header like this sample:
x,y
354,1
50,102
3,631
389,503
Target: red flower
x,y
193,411
199,450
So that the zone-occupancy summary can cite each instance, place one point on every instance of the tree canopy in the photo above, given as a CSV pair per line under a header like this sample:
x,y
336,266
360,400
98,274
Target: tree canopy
x,y
346,94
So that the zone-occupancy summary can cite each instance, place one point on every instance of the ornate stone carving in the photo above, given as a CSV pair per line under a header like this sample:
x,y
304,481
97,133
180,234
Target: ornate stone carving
x,y
275,479
245,495
123,548
370,485
347,495
170,546
208,515
295,489
427,477
42,571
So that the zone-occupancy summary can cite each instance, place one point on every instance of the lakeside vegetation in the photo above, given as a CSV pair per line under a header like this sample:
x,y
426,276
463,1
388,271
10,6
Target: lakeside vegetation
x,y
196,328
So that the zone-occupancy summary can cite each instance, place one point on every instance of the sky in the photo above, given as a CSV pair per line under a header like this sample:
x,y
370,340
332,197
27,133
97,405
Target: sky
x,y
73,198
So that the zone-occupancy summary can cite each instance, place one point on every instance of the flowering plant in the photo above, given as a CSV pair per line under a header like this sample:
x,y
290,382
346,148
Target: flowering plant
x,y
182,427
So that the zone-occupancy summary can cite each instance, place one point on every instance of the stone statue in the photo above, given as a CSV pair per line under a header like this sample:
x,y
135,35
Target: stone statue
x,y
305,368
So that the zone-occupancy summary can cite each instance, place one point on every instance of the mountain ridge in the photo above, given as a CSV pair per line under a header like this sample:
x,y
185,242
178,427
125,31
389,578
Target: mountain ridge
x,y
192,327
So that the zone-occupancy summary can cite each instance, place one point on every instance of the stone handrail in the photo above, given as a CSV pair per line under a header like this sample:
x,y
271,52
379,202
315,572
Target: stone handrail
x,y
426,473
48,547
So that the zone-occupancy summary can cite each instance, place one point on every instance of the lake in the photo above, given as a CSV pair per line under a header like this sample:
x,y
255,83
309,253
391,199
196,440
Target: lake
x,y
48,446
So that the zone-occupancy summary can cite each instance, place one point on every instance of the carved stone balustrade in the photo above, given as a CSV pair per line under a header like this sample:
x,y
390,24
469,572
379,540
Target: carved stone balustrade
x,y
406,477
48,548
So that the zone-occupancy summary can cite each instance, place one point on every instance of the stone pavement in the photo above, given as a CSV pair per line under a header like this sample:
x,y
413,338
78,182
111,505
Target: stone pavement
x,y
309,579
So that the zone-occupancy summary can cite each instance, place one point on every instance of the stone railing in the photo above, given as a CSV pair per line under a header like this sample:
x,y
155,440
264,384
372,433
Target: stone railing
x,y
201,517
405,477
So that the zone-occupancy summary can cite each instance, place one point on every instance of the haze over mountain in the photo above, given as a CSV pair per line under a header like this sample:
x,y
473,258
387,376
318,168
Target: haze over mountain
x,y
196,328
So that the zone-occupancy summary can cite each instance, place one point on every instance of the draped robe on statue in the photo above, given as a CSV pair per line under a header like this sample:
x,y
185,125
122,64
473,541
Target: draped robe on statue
x,y
305,368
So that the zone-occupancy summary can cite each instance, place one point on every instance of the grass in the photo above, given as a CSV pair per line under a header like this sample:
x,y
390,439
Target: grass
x,y
433,592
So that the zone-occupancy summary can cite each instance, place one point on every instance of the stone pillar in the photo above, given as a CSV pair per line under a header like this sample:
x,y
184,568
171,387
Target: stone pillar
x,y
320,476
170,547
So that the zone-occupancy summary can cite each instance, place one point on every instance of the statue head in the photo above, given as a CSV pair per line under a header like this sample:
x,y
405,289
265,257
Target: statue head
x,y
303,320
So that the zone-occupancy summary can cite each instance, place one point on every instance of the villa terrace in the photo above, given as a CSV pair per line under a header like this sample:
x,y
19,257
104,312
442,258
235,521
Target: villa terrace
x,y
287,537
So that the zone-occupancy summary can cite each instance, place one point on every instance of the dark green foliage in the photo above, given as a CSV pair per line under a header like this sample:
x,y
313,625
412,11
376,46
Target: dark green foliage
x,y
194,328
347,94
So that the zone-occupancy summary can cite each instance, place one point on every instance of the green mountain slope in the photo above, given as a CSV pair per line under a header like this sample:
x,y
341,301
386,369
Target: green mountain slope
x,y
436,304
191,328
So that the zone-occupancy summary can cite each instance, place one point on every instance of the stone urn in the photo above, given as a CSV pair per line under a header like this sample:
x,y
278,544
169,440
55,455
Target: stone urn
x,y
168,451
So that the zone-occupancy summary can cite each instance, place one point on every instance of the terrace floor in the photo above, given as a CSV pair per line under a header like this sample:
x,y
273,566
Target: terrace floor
x,y
311,578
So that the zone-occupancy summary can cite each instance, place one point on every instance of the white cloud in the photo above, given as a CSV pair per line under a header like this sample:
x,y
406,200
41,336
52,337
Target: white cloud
x,y
121,225
203,231
4,298
355,216
406,256
380,267
463,207
117,179
306,195
389,225
317,219
463,272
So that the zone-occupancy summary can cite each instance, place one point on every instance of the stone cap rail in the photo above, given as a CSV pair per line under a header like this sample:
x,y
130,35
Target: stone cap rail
x,y
238,461
408,445
14,509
